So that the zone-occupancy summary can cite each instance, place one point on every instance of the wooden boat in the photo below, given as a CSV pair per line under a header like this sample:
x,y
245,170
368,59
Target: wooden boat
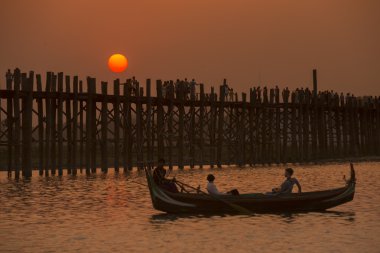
x,y
197,202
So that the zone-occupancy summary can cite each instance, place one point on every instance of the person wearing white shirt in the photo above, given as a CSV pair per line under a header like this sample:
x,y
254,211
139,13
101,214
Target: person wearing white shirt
x,y
211,187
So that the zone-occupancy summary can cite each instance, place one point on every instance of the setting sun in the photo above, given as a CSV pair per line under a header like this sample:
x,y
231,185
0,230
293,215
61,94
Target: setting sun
x,y
117,63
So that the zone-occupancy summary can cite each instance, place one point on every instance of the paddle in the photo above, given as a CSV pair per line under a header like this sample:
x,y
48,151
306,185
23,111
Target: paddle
x,y
130,180
236,207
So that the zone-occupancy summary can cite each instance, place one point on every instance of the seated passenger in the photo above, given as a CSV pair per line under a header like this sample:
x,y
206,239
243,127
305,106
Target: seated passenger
x,y
159,177
287,185
211,187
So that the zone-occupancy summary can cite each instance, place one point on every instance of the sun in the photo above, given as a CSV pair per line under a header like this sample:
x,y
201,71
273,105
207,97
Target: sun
x,y
117,63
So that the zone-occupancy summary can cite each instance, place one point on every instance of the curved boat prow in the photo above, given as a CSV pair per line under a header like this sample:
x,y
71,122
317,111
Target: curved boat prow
x,y
353,176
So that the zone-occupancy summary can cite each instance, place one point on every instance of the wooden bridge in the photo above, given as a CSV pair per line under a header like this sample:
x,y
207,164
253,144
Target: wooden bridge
x,y
68,125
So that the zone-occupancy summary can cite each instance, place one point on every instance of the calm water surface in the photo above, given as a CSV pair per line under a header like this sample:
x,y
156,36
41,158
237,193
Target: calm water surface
x,y
108,213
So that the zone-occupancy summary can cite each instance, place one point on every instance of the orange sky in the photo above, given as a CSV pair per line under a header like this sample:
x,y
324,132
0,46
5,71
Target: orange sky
x,y
272,41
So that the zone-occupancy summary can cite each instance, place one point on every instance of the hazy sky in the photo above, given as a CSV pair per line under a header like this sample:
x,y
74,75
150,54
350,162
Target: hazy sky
x,y
247,42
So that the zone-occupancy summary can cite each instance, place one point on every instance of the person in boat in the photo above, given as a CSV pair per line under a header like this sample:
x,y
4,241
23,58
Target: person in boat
x,y
159,177
287,185
211,187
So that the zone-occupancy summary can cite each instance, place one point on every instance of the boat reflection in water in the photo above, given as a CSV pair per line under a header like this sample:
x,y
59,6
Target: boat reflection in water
x,y
285,217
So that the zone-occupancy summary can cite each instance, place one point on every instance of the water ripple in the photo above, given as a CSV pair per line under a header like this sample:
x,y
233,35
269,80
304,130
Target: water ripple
x,y
109,213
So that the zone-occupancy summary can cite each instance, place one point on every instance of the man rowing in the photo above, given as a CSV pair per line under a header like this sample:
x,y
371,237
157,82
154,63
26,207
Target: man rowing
x,y
159,177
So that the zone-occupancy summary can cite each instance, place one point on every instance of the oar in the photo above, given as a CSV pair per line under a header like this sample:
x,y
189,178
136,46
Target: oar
x,y
236,207
130,180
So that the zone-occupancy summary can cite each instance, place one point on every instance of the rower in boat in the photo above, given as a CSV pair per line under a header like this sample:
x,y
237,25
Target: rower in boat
x,y
287,185
212,189
159,177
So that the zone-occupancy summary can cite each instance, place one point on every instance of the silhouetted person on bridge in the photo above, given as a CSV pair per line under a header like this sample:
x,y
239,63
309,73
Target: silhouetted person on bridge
x,y
9,75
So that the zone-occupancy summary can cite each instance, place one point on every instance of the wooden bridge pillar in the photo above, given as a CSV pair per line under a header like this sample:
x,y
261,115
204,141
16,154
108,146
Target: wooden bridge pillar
x,y
10,122
257,137
116,121
81,128
201,126
160,121
306,126
285,128
356,127
104,129
89,127
271,128
149,124
170,124
314,129
53,125
344,126
278,127
74,163
127,133
47,161
251,128
338,125
17,122
40,109
181,113
300,124
27,127
213,118
377,116
139,128
330,134
264,129
60,126
293,129
192,128
243,116
220,127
